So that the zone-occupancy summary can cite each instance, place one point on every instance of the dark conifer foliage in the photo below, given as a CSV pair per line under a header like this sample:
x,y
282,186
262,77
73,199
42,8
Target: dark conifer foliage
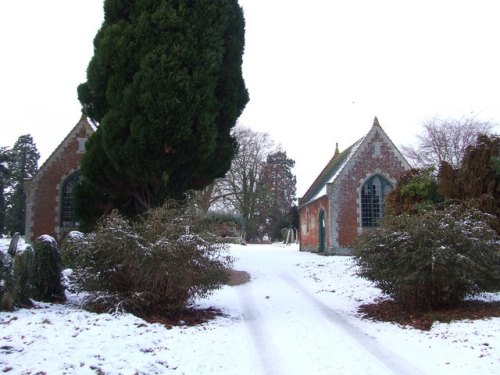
x,y
276,193
4,174
165,85
478,180
46,272
416,189
23,164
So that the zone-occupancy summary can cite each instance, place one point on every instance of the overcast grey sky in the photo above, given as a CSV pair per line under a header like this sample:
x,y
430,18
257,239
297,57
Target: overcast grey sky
x,y
318,71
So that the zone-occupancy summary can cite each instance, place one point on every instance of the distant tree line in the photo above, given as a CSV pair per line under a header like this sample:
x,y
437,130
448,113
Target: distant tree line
x,y
259,187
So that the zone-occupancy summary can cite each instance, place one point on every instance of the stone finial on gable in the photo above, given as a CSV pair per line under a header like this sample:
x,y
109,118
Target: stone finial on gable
x,y
375,122
336,150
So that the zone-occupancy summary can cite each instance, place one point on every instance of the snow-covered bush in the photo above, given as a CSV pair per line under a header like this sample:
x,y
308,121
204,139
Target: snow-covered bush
x,y
69,251
431,259
157,265
46,275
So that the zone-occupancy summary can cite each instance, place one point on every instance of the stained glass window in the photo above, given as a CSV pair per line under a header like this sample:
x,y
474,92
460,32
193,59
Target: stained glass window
x,y
68,219
373,194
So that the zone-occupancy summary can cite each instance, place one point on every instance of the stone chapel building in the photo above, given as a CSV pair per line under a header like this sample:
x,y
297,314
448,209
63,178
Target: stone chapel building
x,y
49,193
348,195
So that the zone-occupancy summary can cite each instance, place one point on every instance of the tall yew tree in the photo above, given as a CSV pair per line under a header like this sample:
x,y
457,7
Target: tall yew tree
x,y
166,87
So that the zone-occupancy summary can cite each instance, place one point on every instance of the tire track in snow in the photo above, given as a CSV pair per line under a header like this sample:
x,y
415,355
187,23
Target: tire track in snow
x,y
259,332
285,343
388,358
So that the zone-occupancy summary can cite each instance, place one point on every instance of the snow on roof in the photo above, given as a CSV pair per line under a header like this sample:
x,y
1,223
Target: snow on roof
x,y
93,125
338,163
331,172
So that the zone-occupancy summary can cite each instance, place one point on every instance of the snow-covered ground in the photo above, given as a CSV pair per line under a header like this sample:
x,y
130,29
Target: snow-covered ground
x,y
296,316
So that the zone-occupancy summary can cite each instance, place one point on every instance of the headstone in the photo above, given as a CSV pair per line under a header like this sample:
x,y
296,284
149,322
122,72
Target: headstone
x,y
13,244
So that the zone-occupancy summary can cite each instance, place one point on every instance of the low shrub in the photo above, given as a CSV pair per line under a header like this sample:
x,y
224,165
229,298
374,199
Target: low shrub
x,y
431,259
157,265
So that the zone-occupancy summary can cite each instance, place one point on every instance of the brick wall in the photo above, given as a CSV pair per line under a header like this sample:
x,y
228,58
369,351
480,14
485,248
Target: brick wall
x,y
43,190
309,224
376,156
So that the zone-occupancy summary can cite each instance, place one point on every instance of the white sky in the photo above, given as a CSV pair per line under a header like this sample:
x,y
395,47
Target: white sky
x,y
318,71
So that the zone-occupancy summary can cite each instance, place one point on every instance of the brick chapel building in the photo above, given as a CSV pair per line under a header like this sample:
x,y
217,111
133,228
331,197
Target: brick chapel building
x,y
49,193
348,195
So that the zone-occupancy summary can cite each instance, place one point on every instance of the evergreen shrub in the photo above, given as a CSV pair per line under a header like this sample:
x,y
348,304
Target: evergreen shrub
x,y
223,217
46,275
156,265
15,278
431,259
226,225
417,189
22,274
6,282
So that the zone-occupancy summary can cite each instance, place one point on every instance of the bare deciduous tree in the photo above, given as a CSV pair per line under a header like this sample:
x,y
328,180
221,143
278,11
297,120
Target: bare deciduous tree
x,y
239,186
206,197
445,140
238,190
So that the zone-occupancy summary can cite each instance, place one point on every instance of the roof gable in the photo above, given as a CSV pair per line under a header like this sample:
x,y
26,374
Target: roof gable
x,y
330,172
85,123
340,162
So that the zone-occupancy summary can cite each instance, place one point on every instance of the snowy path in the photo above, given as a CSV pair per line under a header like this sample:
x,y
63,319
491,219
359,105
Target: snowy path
x,y
297,316
294,332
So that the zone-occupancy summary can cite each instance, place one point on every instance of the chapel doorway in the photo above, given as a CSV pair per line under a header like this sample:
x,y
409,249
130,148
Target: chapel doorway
x,y
322,232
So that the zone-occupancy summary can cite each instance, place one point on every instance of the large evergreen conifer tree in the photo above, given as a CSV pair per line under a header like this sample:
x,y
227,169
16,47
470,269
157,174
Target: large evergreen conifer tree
x,y
276,193
166,87
23,165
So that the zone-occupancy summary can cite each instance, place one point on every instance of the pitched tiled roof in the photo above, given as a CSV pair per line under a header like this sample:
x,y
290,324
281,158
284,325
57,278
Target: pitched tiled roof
x,y
339,161
330,173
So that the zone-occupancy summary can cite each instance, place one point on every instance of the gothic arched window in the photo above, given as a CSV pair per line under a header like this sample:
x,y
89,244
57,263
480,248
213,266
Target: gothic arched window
x,y
373,194
68,219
